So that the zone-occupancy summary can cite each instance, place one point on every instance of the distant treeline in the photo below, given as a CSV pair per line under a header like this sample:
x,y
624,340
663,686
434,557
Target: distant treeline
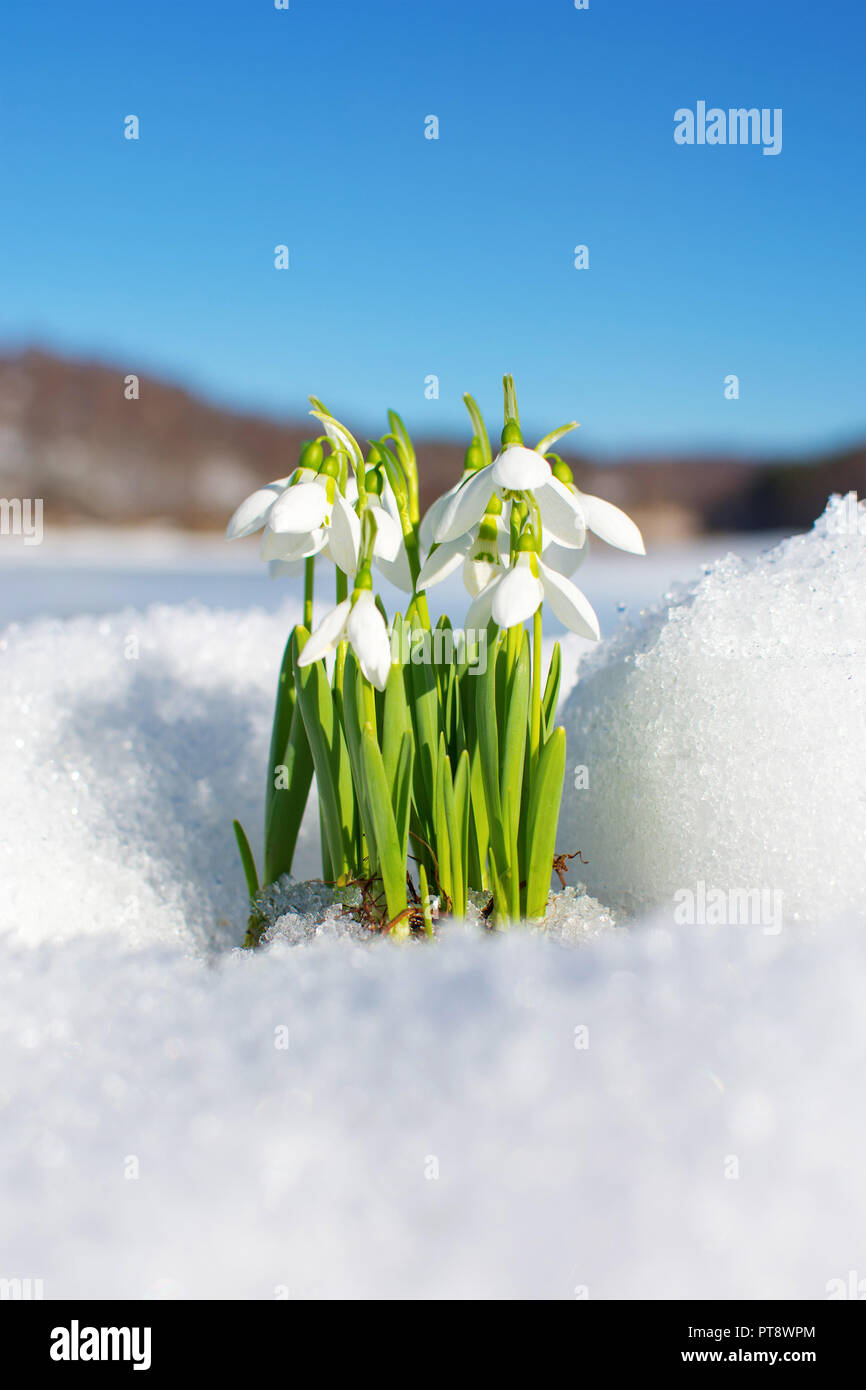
x,y
100,445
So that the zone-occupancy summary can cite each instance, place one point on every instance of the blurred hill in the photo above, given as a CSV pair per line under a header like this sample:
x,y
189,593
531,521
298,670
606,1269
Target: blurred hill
x,y
69,435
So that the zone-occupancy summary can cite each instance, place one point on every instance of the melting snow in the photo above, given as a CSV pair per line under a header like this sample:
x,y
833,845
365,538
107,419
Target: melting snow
x,y
654,1110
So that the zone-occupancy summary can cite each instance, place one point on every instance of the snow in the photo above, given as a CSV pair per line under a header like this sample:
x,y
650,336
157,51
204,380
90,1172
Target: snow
x,y
724,735
602,1111
308,1171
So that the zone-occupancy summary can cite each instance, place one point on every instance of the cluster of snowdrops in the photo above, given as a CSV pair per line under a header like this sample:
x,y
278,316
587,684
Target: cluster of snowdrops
x,y
438,763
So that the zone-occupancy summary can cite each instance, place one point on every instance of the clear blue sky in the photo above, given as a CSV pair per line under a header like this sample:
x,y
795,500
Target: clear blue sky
x,y
455,257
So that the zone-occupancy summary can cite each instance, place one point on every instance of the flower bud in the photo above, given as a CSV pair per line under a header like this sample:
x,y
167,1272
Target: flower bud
x,y
373,481
474,456
511,433
312,455
527,540
363,579
560,469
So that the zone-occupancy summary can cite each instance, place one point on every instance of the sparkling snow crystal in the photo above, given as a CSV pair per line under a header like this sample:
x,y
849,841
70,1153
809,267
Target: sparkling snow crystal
x,y
724,735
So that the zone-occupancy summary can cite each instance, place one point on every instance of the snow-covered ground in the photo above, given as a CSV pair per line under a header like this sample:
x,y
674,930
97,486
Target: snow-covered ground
x,y
660,1109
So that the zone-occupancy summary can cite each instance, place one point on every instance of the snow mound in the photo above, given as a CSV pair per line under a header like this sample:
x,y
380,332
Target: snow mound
x,y
127,745
718,746
664,1112
657,1114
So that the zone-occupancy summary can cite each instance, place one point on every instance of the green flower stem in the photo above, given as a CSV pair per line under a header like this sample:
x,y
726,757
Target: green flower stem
x,y
535,696
309,575
370,706
342,586
410,540
406,451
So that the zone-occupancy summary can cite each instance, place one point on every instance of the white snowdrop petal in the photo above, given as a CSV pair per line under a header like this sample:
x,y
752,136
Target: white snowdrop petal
x,y
389,537
344,541
377,667
397,571
290,547
366,630
611,524
252,514
565,559
519,469
480,611
467,506
444,560
561,513
477,574
517,596
300,508
325,637
389,502
434,514
569,604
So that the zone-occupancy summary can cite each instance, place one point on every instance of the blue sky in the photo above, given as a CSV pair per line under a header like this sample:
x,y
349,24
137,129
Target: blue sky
x,y
452,257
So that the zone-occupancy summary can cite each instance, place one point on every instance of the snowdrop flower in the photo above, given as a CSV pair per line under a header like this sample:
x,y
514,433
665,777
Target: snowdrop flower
x,y
308,516
389,547
515,471
486,546
302,515
358,620
473,462
605,520
253,512
566,513
515,594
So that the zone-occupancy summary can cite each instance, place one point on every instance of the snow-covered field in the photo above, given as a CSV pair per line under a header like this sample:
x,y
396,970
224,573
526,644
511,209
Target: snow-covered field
x,y
661,1108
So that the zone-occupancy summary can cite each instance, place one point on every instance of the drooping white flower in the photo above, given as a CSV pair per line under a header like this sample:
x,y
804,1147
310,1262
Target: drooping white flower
x,y
514,594
303,515
472,463
307,517
359,621
566,513
252,514
516,470
605,520
389,546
